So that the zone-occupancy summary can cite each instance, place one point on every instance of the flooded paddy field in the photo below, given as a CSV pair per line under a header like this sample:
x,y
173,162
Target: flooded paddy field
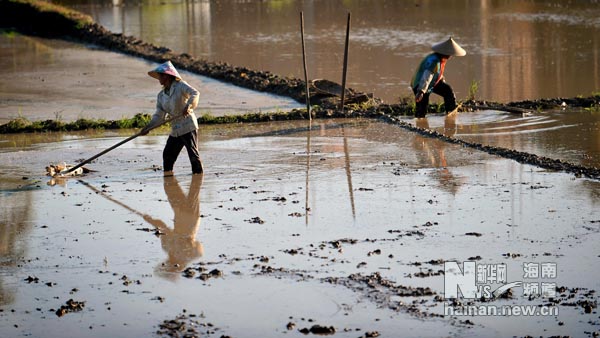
x,y
516,50
55,79
569,135
341,226
351,228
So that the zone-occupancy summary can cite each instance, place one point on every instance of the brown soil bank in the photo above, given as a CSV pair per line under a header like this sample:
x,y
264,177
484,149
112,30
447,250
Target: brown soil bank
x,y
43,19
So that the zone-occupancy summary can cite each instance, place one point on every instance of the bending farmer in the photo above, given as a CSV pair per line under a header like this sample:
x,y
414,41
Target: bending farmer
x,y
178,100
430,77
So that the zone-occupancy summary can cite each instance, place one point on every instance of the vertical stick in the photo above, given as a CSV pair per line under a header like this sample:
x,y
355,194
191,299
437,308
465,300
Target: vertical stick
x,y
306,205
304,63
345,63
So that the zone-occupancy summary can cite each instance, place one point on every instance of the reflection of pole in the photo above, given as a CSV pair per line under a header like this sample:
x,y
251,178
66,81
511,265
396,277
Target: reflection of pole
x,y
306,208
348,173
345,63
304,64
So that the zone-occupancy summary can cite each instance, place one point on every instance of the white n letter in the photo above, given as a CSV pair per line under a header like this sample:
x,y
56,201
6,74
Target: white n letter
x,y
455,280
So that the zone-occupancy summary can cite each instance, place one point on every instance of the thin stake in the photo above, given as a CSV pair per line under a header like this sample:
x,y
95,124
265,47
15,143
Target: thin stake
x,y
306,205
304,63
345,63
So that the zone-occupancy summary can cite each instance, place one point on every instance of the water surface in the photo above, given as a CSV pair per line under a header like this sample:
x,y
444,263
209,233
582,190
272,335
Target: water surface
x,y
54,79
569,135
412,198
516,49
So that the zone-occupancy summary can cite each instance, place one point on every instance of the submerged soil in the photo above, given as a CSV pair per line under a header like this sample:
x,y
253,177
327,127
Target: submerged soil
x,y
335,227
339,228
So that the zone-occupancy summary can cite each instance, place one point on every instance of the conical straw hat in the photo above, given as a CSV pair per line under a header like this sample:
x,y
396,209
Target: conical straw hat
x,y
165,68
449,47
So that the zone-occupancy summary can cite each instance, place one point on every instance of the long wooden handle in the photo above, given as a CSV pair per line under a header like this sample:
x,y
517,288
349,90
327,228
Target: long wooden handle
x,y
81,164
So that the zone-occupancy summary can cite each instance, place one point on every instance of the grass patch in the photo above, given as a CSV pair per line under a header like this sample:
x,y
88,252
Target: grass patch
x,y
78,18
593,108
22,125
473,89
9,33
42,18
295,114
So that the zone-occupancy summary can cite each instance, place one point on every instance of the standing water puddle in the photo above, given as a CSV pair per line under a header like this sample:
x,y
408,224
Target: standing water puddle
x,y
571,136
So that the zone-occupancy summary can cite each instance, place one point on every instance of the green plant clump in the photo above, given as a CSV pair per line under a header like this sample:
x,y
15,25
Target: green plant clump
x,y
473,89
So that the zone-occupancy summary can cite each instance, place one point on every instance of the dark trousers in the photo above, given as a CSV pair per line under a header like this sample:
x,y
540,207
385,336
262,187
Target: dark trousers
x,y
174,146
444,90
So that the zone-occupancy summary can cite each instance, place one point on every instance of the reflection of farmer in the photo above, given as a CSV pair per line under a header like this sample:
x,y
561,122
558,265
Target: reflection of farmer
x,y
432,152
178,100
430,77
180,242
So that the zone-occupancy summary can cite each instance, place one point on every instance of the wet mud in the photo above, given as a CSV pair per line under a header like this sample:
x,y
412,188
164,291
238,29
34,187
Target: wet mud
x,y
377,222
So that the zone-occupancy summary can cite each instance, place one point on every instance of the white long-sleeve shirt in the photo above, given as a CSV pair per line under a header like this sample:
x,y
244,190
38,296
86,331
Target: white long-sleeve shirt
x,y
180,97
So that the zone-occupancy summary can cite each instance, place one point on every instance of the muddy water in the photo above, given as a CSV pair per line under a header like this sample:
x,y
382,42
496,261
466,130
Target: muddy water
x,y
571,136
516,50
53,79
392,200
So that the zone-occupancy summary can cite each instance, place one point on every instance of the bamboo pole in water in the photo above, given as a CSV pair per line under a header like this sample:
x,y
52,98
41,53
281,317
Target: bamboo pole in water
x,y
344,70
304,64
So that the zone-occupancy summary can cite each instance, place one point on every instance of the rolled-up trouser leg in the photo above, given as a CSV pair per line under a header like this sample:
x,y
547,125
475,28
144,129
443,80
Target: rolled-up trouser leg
x,y
190,140
171,152
421,106
443,89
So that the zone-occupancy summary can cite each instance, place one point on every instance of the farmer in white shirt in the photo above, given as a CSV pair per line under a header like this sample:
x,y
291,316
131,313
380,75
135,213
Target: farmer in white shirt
x,y
177,99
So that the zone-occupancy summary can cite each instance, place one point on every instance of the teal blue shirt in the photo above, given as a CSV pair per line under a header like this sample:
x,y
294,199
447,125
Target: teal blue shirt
x,y
432,63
